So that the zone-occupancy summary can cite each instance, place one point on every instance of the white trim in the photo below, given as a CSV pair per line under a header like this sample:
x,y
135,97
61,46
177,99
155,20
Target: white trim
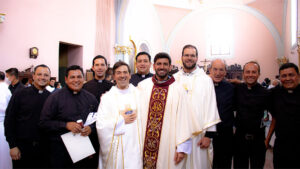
x,y
270,26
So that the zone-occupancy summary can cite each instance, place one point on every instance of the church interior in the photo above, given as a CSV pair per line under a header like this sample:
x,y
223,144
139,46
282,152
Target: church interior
x,y
61,33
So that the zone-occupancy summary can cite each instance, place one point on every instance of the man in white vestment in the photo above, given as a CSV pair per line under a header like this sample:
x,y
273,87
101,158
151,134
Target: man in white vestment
x,y
165,130
118,124
202,103
5,94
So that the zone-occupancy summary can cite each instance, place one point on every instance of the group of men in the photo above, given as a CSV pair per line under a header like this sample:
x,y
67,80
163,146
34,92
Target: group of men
x,y
151,120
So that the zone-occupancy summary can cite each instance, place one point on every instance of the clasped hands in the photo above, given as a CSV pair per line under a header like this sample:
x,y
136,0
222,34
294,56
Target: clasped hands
x,y
76,128
129,118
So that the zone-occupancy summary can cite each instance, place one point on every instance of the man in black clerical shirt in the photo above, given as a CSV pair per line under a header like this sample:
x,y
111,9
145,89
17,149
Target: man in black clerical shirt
x,y
12,75
143,64
59,115
98,85
22,119
250,103
223,140
286,118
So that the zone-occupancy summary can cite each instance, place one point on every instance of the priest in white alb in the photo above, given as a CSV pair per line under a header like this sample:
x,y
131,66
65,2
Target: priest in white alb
x,y
118,124
202,104
5,94
166,135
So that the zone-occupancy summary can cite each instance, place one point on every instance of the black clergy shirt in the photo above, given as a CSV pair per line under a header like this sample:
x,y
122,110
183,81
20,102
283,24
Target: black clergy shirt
x,y
66,106
136,78
14,88
225,97
97,87
250,104
23,115
286,110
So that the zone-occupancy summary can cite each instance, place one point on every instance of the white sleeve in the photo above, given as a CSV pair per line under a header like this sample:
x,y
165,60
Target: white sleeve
x,y
211,128
120,126
185,147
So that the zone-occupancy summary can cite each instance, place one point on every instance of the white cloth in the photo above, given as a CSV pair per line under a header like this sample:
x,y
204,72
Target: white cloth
x,y
5,159
120,142
202,104
170,137
50,89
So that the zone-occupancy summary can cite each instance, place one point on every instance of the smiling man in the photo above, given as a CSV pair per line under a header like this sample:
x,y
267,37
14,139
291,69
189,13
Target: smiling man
x,y
223,140
202,101
286,118
165,139
22,119
98,85
251,101
117,124
143,64
59,115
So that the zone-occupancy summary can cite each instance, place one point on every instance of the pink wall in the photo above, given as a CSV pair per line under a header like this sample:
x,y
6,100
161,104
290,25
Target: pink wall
x,y
272,9
252,40
164,14
43,24
105,29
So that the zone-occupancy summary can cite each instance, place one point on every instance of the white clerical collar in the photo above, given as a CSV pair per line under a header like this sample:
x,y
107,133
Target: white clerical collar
x,y
41,91
100,81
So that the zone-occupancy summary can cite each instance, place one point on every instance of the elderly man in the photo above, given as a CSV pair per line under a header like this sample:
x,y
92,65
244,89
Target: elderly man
x,y
143,64
251,101
22,119
223,140
60,114
202,102
286,118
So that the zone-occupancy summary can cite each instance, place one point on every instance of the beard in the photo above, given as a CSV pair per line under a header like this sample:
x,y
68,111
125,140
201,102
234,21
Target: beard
x,y
189,67
162,76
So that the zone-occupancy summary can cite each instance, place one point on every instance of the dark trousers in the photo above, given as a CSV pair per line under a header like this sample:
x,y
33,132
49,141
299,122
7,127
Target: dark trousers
x,y
60,158
249,147
223,149
286,153
31,155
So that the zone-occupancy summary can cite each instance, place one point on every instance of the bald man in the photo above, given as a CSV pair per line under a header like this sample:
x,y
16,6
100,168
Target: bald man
x,y
223,140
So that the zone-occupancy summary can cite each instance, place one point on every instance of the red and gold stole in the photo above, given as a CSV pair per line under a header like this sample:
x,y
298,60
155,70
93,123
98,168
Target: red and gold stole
x,y
155,122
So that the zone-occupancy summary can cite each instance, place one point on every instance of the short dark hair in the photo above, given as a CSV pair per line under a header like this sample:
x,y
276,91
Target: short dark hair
x,y
254,62
2,75
189,46
99,57
289,65
13,72
162,55
41,65
73,67
143,53
118,64
56,84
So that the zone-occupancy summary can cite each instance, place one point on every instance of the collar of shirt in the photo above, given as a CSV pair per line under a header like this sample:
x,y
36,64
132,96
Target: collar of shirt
x,y
191,73
37,90
143,76
73,92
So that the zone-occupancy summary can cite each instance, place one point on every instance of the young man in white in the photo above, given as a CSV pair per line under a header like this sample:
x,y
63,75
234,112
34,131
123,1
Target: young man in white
x,y
118,124
165,122
201,102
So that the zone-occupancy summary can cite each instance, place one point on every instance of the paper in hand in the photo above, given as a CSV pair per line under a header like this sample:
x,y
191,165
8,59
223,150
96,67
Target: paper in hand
x,y
79,147
92,117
